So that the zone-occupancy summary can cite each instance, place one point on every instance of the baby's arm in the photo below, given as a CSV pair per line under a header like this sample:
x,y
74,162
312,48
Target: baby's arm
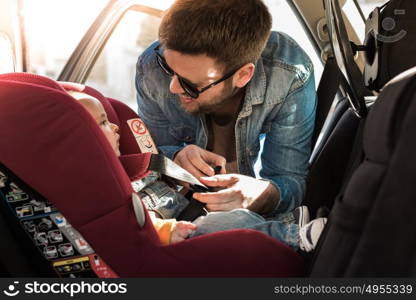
x,y
171,231
181,231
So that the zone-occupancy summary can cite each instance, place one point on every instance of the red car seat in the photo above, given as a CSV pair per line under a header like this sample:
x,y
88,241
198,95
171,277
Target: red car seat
x,y
53,145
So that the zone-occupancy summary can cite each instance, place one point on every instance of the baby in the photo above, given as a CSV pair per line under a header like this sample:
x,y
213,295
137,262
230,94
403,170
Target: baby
x,y
169,230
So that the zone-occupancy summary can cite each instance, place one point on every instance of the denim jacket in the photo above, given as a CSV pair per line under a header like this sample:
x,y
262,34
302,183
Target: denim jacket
x,y
274,126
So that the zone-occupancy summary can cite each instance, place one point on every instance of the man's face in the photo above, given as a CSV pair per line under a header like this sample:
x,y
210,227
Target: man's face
x,y
200,70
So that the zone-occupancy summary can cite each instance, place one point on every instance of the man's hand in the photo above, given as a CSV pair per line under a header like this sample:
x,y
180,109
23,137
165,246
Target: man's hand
x,y
181,231
199,162
238,191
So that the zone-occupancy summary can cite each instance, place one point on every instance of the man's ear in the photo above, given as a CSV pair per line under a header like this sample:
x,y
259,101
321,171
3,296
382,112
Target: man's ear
x,y
243,75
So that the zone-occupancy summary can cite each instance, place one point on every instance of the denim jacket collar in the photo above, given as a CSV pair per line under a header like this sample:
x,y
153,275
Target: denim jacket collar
x,y
255,90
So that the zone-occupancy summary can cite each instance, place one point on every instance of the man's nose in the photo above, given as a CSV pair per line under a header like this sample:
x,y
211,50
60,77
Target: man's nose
x,y
175,86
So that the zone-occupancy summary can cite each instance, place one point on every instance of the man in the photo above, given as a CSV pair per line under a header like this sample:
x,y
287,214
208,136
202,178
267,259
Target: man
x,y
215,87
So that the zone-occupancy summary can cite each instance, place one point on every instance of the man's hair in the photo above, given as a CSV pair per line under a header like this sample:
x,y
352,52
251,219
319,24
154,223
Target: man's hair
x,y
233,32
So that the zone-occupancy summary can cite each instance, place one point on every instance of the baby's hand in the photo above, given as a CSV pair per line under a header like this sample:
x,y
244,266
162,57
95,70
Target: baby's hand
x,y
181,231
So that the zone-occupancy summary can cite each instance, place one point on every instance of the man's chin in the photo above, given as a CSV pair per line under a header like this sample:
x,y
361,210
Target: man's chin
x,y
194,112
191,108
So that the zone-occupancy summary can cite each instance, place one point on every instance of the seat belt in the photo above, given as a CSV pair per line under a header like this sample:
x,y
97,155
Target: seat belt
x,y
165,166
327,89
158,162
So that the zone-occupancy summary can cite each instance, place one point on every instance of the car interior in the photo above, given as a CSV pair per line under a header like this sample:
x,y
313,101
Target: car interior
x,y
75,242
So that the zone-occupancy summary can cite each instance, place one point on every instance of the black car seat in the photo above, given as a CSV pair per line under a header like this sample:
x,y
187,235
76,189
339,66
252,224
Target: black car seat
x,y
371,230
329,159
331,162
361,216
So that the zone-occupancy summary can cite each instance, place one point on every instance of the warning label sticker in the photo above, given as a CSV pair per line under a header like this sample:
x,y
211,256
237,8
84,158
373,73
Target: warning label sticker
x,y
142,135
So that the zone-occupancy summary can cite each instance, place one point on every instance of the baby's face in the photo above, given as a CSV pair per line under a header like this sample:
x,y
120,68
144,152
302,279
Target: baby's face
x,y
96,109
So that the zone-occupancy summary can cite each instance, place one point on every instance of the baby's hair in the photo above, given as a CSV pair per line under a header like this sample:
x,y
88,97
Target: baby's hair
x,y
80,95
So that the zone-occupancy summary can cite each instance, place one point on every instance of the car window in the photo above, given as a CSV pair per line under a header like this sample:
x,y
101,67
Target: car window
x,y
286,21
53,29
6,54
113,72
368,6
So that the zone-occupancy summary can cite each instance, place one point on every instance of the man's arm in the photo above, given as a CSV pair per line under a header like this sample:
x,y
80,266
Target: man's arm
x,y
239,191
287,146
284,159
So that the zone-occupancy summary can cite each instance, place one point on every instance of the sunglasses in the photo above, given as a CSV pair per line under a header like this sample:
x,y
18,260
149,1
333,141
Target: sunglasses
x,y
190,89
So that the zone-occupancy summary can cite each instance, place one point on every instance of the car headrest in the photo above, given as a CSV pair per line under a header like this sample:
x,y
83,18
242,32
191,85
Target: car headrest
x,y
390,42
